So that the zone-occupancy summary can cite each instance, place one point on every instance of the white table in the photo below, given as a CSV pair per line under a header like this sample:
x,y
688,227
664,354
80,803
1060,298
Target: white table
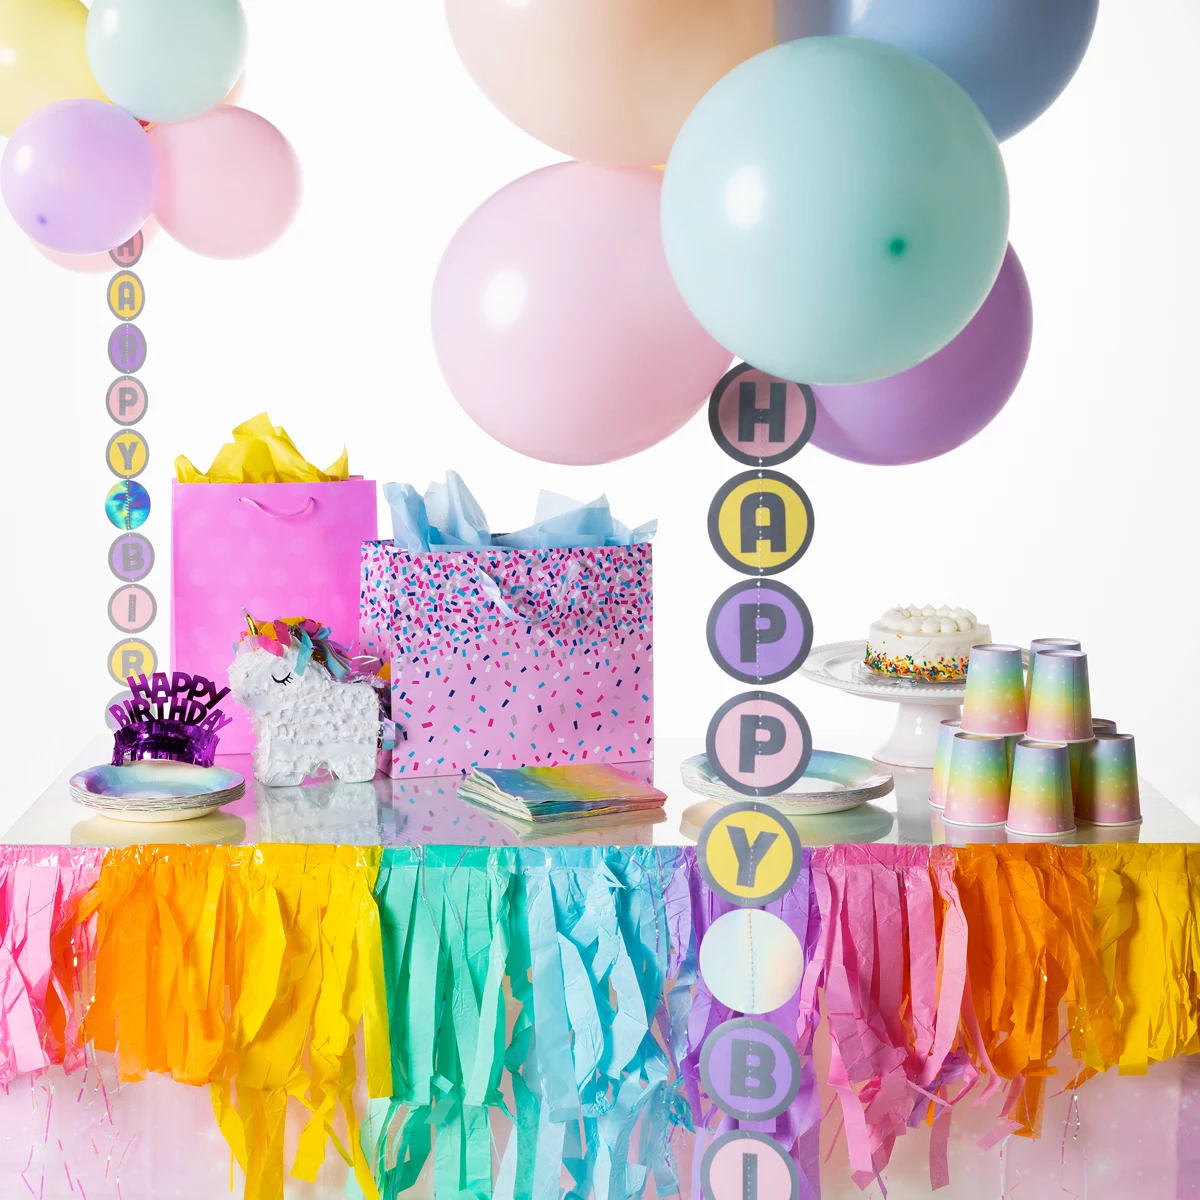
x,y
397,812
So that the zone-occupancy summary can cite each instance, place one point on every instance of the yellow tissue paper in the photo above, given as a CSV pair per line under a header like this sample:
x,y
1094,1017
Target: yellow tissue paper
x,y
261,453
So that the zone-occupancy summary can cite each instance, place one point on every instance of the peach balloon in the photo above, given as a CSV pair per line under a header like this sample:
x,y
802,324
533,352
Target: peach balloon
x,y
606,81
557,324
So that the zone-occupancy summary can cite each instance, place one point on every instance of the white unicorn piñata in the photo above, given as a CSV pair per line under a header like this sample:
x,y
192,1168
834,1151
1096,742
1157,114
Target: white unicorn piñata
x,y
309,713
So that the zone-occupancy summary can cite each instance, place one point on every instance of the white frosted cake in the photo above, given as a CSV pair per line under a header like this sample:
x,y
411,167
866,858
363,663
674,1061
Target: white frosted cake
x,y
924,642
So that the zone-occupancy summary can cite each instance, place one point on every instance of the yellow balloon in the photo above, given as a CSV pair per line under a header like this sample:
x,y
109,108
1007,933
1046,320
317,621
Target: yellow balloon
x,y
43,57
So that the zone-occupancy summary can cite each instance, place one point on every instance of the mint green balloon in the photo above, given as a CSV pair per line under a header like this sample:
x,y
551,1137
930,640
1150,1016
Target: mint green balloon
x,y
835,210
166,60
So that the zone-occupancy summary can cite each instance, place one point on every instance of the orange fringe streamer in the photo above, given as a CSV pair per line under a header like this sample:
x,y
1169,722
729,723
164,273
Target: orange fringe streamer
x,y
1030,946
248,969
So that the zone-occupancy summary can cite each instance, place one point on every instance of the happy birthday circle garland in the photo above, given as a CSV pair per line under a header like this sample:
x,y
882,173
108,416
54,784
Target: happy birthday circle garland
x,y
760,523
132,607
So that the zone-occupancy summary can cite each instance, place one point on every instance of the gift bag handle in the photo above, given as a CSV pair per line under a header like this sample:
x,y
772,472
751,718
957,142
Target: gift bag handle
x,y
279,516
510,601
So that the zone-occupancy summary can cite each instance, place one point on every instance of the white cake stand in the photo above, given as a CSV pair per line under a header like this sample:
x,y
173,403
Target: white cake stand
x,y
922,706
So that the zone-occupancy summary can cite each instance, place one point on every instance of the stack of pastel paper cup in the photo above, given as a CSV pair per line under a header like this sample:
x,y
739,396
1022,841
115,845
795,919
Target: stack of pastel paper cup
x,y
977,788
1108,782
1103,725
941,761
1040,803
1040,644
995,697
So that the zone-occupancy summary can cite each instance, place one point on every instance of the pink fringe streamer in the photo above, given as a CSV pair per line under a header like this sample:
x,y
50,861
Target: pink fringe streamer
x,y
40,1012
892,1065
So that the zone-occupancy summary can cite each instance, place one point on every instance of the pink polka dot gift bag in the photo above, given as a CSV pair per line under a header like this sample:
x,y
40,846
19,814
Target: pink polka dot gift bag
x,y
266,531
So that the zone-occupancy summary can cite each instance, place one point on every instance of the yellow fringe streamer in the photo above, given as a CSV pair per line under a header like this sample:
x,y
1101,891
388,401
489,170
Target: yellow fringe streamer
x,y
248,969
1147,901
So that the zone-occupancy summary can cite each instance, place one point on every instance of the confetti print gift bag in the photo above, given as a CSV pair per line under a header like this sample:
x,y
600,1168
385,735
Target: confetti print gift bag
x,y
513,658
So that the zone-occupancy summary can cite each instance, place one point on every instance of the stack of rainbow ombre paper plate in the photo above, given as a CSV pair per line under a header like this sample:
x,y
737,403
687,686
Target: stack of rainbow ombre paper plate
x,y
156,790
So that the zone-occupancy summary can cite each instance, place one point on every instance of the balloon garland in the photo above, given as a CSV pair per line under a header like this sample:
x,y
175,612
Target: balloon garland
x,y
126,111
834,210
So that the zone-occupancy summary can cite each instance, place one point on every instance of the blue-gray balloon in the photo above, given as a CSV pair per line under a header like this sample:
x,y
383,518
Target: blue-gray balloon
x,y
1012,57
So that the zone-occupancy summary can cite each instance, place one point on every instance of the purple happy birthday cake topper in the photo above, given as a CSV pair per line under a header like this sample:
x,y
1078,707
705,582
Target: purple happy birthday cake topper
x,y
175,718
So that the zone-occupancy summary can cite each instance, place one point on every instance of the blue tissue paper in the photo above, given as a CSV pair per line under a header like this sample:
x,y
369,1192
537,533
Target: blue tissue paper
x,y
449,517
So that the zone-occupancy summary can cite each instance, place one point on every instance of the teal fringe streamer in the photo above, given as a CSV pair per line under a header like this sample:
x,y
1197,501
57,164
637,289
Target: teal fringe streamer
x,y
584,938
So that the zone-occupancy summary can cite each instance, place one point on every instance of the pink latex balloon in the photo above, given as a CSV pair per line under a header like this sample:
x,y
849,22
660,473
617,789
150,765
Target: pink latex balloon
x,y
94,264
228,182
557,324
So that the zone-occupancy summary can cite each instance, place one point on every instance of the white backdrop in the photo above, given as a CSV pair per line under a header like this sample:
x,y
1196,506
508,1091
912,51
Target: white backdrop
x,y
1071,515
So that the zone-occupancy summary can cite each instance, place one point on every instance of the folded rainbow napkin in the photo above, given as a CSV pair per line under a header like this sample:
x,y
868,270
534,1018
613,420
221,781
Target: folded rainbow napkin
x,y
566,793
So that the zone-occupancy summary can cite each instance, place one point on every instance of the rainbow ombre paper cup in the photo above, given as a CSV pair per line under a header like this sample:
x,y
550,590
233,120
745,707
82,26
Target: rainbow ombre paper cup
x,y
1040,644
1076,751
974,835
1092,835
1108,781
941,761
1060,702
977,789
1040,801
995,696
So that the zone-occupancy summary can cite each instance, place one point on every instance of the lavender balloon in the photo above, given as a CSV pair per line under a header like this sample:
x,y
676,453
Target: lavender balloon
x,y
937,405
79,176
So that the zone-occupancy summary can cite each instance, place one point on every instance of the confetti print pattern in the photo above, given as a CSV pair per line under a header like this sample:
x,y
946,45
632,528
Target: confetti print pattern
x,y
512,658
